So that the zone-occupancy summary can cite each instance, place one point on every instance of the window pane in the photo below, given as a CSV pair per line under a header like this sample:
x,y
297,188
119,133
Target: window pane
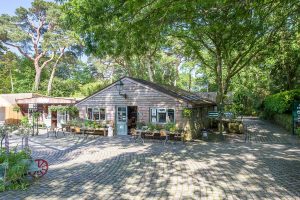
x,y
171,115
90,113
102,113
162,117
96,114
122,114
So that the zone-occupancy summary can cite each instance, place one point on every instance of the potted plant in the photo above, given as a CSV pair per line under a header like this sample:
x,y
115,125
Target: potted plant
x,y
170,127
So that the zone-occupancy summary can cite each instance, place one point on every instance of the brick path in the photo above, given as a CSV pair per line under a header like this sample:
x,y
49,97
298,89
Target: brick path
x,y
265,132
114,168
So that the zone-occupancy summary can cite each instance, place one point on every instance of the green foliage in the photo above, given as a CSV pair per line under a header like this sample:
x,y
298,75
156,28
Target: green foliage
x,y
92,124
75,122
284,120
187,113
170,127
16,109
298,131
89,89
153,127
16,170
25,121
139,125
280,102
72,110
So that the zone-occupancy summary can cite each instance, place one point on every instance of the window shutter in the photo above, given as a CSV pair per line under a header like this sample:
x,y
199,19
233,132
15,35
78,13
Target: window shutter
x,y
153,115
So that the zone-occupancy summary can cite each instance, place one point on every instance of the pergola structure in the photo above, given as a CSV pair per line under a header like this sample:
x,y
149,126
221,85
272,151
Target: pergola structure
x,y
41,104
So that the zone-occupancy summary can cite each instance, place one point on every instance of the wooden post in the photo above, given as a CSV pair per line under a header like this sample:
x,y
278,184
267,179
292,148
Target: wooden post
x,y
6,143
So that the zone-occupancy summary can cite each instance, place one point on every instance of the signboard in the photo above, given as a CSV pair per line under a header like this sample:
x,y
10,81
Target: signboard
x,y
296,116
213,114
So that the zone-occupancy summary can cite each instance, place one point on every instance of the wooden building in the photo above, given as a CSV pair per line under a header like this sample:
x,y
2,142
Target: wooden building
x,y
130,100
15,106
42,104
8,112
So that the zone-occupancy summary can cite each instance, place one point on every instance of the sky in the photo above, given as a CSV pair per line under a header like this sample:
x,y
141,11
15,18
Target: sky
x,y
9,6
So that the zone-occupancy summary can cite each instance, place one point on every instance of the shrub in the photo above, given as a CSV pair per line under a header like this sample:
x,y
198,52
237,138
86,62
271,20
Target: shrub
x,y
298,131
284,120
170,126
16,170
280,102
25,122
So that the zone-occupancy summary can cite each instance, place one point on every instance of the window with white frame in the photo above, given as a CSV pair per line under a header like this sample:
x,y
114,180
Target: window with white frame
x,y
162,115
96,113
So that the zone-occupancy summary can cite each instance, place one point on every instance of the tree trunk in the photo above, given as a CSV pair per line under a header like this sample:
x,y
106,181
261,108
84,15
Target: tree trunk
x,y
112,74
11,81
37,79
150,73
220,93
53,72
49,88
177,73
149,68
190,80
289,81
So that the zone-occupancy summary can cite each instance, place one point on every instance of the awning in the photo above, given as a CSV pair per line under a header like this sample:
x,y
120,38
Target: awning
x,y
46,100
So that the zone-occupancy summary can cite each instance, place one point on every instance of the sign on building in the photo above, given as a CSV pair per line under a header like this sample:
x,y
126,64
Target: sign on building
x,y
296,116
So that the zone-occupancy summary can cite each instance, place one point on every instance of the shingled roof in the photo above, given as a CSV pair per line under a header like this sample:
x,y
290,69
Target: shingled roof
x,y
175,92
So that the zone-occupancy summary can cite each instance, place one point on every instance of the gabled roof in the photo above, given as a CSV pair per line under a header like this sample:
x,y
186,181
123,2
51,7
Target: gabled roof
x,y
10,99
175,92
166,89
213,96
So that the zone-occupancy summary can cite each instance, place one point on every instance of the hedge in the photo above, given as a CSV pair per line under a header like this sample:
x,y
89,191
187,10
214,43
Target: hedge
x,y
281,102
284,120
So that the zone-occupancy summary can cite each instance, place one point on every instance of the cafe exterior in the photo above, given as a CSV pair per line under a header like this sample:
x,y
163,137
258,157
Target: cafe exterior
x,y
130,101
42,105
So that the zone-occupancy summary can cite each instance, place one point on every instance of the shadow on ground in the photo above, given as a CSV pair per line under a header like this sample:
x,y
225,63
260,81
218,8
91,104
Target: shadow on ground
x,y
117,169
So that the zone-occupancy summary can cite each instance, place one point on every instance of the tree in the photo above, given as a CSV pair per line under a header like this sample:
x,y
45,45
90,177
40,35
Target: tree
x,y
59,42
34,33
225,36
8,64
284,58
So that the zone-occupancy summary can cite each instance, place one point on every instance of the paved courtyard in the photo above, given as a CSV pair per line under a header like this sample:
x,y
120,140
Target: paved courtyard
x,y
114,168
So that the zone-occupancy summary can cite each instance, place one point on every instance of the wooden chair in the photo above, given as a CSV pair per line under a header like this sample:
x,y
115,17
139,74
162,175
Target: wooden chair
x,y
61,127
179,136
134,135
51,129
164,135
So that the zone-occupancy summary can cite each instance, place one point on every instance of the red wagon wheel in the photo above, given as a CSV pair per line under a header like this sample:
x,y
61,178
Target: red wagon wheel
x,y
43,165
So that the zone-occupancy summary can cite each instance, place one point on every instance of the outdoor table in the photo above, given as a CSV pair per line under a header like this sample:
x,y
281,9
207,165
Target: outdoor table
x,y
140,132
105,130
85,130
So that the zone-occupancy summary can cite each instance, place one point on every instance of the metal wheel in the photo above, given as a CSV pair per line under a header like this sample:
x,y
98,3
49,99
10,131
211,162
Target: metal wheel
x,y
43,165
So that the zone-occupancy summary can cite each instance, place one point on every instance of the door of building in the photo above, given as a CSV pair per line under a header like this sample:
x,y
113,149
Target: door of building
x,y
121,119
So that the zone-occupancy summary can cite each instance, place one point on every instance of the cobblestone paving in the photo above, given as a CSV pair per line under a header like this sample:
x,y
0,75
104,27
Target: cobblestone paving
x,y
265,132
114,168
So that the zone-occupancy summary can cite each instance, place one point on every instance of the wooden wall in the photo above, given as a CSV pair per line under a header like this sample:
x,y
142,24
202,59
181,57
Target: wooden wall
x,y
137,95
11,116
